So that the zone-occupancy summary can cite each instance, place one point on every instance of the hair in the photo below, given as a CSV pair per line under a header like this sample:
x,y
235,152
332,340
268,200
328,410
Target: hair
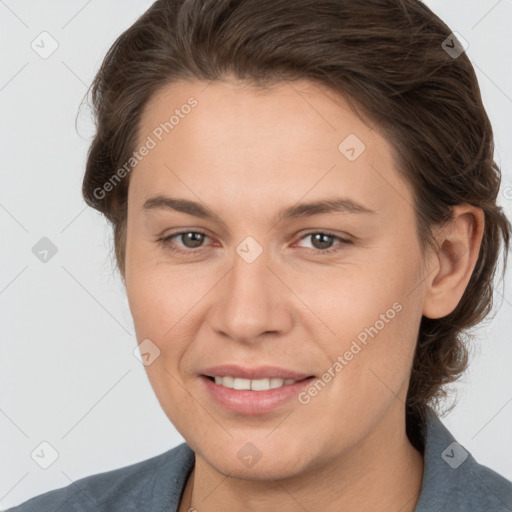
x,y
387,59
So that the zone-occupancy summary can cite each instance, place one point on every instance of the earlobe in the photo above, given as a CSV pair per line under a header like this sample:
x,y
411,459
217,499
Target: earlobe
x,y
454,260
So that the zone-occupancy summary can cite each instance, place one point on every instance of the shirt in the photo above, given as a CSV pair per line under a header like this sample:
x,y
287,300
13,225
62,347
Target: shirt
x,y
452,481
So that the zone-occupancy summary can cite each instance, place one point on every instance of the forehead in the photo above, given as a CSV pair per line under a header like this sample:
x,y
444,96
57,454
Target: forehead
x,y
303,108
289,138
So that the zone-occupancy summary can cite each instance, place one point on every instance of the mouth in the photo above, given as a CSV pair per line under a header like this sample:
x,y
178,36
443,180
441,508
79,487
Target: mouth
x,y
252,391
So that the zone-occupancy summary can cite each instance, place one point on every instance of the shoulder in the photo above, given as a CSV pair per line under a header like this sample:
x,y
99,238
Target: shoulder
x,y
484,489
158,480
453,480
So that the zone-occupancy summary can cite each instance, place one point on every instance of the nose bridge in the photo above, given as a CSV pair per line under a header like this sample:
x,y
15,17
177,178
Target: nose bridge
x,y
251,300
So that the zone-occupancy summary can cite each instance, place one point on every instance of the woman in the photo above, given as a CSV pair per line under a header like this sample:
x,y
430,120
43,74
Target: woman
x,y
303,197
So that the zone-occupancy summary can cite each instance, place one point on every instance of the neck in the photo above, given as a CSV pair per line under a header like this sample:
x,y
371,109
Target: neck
x,y
383,472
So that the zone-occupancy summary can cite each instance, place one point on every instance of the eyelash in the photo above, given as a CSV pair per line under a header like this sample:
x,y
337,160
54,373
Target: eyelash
x,y
166,242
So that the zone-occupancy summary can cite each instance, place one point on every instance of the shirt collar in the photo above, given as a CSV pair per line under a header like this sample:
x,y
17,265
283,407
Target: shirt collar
x,y
442,458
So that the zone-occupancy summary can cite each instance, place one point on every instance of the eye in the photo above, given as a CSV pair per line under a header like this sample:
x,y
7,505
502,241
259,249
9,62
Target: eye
x,y
323,241
191,240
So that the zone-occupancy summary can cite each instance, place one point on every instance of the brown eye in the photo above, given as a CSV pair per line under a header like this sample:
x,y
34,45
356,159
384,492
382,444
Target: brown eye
x,y
191,240
323,242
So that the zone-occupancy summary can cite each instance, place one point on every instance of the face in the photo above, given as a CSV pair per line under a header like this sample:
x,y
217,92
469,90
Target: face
x,y
311,312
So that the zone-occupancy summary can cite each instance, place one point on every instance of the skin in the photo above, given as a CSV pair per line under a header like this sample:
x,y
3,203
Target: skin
x,y
246,154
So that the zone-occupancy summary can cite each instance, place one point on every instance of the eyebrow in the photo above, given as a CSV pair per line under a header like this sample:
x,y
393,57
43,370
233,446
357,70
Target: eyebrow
x,y
336,205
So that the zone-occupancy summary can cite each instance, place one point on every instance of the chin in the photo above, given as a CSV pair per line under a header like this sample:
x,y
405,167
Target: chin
x,y
274,468
260,460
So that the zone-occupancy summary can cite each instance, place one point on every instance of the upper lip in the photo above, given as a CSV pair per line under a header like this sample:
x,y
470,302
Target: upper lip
x,y
259,372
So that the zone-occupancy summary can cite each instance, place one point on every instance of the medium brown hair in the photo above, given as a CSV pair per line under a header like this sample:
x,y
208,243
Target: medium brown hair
x,y
387,59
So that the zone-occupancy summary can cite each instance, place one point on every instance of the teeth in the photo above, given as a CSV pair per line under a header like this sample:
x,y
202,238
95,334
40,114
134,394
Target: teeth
x,y
253,384
276,383
241,383
260,384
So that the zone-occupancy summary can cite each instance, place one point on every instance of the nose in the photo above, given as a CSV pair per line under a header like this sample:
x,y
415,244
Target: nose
x,y
251,303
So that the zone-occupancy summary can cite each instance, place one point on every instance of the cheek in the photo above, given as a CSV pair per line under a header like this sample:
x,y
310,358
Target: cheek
x,y
164,302
160,301
351,297
373,311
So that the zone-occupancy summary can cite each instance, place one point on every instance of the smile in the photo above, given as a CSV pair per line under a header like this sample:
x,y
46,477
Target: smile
x,y
252,396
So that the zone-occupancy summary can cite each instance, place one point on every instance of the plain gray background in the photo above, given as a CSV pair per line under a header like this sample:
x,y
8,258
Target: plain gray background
x,y
68,374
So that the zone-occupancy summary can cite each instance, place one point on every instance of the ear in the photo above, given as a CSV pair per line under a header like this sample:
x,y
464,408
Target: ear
x,y
452,263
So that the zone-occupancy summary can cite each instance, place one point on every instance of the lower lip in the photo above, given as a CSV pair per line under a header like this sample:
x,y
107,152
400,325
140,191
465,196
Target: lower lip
x,y
253,402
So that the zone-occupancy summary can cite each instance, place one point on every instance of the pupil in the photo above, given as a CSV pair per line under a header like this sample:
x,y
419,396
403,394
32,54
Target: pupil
x,y
194,238
323,244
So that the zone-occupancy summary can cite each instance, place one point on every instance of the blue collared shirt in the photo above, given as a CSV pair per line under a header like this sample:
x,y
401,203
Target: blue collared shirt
x,y
452,481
